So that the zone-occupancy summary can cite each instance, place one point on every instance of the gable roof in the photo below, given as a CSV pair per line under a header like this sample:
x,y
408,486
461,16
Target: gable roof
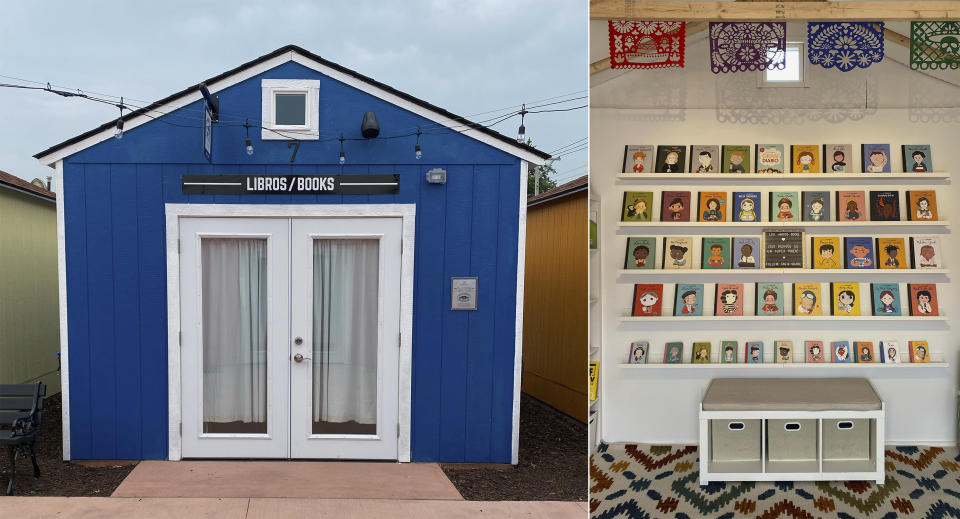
x,y
19,184
569,188
282,55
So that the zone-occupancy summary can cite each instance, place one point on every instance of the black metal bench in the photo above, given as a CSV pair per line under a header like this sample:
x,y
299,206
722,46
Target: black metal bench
x,y
21,410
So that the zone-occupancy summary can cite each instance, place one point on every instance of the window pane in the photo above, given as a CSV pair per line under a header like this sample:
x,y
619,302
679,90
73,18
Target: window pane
x,y
291,109
789,73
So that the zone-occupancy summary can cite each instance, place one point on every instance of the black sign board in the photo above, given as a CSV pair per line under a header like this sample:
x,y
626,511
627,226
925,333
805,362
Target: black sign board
x,y
783,249
290,184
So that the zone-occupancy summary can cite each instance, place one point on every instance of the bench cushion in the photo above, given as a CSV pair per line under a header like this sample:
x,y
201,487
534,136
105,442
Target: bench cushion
x,y
791,394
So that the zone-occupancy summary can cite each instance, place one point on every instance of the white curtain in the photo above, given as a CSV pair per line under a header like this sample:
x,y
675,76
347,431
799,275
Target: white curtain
x,y
345,330
234,330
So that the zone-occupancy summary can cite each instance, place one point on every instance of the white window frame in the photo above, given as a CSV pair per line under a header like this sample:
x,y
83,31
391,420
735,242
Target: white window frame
x,y
762,81
310,131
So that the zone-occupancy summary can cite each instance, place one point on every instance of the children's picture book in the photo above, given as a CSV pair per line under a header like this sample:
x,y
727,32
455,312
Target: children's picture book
x,y
770,158
863,351
753,352
784,206
677,252
892,253
675,206
846,298
638,352
890,352
841,351
736,159
922,205
701,353
917,158
925,252
728,352
641,253
923,299
859,252
689,299
769,298
647,300
826,252
715,253
805,158
671,159
814,351
851,206
806,299
729,299
673,353
745,252
919,351
876,158
783,351
816,206
713,206
838,158
783,249
704,158
593,377
638,158
885,206
637,206
886,299
746,206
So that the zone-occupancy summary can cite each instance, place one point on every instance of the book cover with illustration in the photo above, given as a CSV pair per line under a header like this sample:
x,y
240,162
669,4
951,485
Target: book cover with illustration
x,y
826,252
729,299
678,252
728,352
745,252
922,205
593,377
926,252
890,352
713,206
689,299
805,158
841,351
919,351
770,158
704,158
753,352
638,158
886,299
859,252
851,206
641,253
783,352
671,159
673,353
769,299
736,159
806,299
863,351
715,253
917,158
814,351
638,352
746,206
637,206
784,206
647,300
700,353
892,253
838,158
876,158
675,206
846,298
816,206
923,299
885,206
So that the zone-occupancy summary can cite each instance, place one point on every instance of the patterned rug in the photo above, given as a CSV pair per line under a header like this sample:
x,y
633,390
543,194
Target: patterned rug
x,y
649,481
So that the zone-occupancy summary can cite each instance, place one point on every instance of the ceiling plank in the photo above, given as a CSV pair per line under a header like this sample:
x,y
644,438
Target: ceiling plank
x,y
767,11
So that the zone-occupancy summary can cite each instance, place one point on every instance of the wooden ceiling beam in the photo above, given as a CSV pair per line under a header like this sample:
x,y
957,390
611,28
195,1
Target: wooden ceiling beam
x,y
773,11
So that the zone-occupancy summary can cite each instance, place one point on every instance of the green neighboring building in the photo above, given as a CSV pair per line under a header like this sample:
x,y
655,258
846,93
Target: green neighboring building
x,y
29,316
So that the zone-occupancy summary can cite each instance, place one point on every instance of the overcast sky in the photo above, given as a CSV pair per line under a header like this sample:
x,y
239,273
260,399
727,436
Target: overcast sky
x,y
468,56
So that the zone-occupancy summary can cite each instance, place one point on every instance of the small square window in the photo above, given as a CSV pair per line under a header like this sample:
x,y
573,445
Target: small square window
x,y
791,74
290,109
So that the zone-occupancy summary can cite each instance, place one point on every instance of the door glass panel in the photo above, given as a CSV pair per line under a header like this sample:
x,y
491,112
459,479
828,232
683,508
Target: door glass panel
x,y
345,336
234,274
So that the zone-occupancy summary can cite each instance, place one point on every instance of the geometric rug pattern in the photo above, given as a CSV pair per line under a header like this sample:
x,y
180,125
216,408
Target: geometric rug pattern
x,y
657,481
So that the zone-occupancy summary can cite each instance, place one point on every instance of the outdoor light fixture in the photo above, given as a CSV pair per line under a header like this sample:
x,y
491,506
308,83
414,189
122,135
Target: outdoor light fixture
x,y
246,126
437,176
416,149
118,133
343,158
370,128
522,134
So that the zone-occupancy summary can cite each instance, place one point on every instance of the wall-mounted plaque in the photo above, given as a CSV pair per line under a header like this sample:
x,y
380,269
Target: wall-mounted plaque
x,y
463,293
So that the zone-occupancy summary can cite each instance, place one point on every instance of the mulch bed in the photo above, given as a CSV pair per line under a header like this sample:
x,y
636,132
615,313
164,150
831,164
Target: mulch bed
x,y
552,464
58,477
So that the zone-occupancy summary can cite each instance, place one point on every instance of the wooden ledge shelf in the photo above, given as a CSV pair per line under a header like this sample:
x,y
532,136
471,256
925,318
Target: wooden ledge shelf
x,y
784,177
794,365
792,272
693,318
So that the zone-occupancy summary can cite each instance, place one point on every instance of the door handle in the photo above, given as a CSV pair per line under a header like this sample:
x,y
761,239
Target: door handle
x,y
300,358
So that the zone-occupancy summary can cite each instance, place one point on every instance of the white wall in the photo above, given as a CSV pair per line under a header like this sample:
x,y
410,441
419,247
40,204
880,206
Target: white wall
x,y
650,405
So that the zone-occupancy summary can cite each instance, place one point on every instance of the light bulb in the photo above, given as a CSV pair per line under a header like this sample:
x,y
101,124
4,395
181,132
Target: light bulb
x,y
522,134
118,133
249,147
343,158
418,152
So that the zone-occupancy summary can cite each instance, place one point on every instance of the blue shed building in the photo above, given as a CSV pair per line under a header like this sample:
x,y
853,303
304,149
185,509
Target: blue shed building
x,y
249,272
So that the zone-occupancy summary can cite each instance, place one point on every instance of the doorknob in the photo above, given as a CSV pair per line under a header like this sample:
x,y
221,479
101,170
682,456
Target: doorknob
x,y
300,358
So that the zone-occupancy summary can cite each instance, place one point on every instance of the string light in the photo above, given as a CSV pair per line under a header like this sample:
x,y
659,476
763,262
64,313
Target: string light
x,y
522,134
343,158
118,133
246,126
416,149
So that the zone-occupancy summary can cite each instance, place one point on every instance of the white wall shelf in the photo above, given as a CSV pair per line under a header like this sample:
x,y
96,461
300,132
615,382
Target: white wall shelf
x,y
790,225
794,365
839,318
792,272
803,178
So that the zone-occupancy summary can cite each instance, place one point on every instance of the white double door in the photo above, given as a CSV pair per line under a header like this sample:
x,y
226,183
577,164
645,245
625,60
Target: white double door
x,y
290,337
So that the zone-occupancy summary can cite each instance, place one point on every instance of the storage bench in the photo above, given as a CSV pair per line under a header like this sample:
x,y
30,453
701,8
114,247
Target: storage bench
x,y
800,429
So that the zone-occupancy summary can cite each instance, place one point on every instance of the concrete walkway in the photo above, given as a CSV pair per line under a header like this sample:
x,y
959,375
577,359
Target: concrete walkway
x,y
257,508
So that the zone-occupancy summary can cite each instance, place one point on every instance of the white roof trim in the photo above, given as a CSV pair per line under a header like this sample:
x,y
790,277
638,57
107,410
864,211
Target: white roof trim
x,y
247,73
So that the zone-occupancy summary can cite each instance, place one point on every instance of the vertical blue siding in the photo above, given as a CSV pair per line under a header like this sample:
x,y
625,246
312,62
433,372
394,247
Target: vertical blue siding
x,y
114,195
